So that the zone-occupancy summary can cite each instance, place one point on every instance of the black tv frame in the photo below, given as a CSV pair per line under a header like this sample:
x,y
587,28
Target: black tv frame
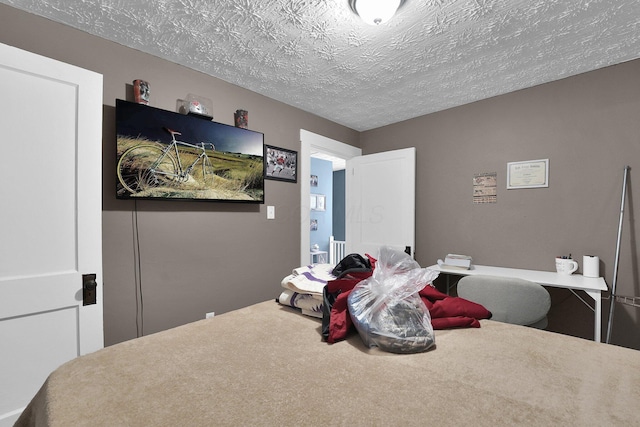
x,y
236,163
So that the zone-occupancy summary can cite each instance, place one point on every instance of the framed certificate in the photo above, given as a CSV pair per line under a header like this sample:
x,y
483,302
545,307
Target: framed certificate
x,y
529,174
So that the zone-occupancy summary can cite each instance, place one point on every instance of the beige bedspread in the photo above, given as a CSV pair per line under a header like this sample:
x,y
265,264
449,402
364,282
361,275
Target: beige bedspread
x,y
266,365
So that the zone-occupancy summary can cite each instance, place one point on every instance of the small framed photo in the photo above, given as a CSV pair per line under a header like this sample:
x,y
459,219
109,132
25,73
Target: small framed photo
x,y
314,225
528,174
280,164
318,202
314,180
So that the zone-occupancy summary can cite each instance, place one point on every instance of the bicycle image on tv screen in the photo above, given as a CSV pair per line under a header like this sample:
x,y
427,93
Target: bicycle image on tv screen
x,y
159,163
150,166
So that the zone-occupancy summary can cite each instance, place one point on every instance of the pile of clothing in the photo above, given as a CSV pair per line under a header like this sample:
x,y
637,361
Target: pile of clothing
x,y
303,288
446,312
322,291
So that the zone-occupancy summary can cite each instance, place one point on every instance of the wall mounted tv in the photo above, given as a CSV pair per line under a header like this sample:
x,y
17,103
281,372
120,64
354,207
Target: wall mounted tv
x,y
171,156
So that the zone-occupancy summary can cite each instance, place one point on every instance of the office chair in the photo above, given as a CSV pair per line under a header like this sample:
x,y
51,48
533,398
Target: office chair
x,y
509,299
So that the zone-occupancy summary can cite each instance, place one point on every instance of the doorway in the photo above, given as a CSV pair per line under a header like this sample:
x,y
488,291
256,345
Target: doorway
x,y
314,145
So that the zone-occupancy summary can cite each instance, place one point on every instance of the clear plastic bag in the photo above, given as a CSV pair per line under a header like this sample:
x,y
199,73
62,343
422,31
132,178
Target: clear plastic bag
x,y
386,308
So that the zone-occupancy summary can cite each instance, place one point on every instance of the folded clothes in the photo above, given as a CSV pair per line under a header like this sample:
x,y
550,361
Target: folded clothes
x,y
307,303
310,279
315,272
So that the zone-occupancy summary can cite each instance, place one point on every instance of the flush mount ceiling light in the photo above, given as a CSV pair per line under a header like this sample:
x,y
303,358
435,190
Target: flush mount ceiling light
x,y
375,12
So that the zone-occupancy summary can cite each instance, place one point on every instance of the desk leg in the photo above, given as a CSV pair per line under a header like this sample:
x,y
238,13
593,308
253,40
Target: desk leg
x,y
597,312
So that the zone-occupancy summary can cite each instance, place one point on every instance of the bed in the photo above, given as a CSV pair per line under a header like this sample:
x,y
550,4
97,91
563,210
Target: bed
x,y
267,365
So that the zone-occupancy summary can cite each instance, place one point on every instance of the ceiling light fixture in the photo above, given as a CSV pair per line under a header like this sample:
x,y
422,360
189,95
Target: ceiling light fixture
x,y
375,12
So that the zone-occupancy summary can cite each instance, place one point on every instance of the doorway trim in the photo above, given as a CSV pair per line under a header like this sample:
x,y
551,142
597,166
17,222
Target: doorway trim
x,y
313,143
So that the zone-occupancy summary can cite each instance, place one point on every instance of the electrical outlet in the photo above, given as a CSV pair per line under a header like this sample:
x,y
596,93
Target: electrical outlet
x,y
209,315
271,212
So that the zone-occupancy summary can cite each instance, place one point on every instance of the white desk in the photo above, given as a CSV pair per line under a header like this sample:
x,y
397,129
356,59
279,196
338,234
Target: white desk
x,y
592,286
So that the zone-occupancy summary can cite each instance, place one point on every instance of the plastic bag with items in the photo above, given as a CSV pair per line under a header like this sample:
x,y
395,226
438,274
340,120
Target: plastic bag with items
x,y
386,308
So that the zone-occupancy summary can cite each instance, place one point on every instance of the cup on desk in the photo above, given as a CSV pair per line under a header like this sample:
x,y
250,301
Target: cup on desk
x,y
566,265
590,266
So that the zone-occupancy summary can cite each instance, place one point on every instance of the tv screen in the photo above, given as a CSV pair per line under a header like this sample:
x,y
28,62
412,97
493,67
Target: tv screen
x,y
170,156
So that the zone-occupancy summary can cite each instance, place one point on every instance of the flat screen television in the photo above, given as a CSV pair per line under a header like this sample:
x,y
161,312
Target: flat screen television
x,y
170,156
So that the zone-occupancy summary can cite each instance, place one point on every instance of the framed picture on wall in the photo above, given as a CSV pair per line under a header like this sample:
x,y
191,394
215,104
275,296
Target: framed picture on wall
x,y
314,180
528,174
280,164
318,202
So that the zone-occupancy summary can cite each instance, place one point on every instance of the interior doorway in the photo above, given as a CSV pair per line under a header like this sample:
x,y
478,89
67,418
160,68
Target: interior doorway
x,y
314,145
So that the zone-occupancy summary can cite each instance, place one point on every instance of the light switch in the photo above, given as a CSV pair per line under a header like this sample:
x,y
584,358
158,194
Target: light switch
x,y
271,212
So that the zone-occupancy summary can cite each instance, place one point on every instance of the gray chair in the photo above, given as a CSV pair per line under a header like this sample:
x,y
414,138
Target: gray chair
x,y
510,300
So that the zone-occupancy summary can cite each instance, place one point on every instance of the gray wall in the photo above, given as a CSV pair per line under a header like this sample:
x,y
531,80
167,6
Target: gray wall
x,y
588,127
195,257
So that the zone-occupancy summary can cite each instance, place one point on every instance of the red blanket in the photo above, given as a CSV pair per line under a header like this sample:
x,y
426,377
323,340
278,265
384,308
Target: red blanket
x,y
446,311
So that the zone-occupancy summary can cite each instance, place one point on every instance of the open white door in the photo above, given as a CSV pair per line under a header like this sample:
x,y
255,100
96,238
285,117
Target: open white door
x,y
380,199
50,221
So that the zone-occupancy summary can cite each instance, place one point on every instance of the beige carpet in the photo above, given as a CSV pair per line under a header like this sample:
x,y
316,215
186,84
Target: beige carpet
x,y
266,365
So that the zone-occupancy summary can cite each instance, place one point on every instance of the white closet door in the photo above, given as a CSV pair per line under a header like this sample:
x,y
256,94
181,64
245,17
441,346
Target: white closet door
x,y
50,220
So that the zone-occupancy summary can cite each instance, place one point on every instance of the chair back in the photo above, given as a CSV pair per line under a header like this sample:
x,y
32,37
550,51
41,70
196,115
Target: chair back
x,y
509,299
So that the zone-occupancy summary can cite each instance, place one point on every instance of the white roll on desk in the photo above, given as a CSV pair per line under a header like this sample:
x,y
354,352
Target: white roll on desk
x,y
592,286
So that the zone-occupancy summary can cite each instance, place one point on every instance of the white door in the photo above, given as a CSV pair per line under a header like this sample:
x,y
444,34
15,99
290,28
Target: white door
x,y
380,199
50,220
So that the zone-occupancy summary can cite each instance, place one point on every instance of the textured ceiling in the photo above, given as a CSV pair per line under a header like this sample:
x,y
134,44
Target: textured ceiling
x,y
318,56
